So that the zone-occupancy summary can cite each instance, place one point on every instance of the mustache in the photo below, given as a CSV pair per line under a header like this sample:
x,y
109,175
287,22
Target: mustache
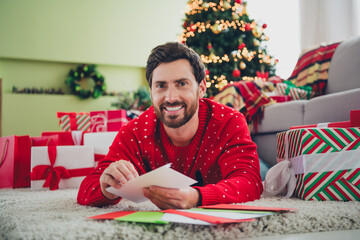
x,y
169,104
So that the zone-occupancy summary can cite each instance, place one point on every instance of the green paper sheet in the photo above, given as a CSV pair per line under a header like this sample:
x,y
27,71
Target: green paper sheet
x,y
143,217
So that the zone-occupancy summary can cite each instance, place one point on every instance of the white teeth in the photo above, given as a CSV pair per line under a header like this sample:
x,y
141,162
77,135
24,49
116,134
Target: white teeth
x,y
173,108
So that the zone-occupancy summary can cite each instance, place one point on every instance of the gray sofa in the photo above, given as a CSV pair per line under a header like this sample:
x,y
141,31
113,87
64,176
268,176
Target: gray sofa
x,y
342,94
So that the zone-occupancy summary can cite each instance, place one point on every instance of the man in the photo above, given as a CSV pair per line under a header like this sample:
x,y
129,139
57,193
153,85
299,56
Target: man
x,y
202,139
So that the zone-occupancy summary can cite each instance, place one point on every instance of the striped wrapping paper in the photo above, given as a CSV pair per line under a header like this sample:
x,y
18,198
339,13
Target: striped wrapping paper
x,y
296,93
70,121
326,162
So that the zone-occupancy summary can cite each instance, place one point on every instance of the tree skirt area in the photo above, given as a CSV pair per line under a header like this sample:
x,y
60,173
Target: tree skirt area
x,y
26,214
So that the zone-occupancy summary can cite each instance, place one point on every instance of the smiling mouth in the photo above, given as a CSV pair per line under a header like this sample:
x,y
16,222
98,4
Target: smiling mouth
x,y
173,109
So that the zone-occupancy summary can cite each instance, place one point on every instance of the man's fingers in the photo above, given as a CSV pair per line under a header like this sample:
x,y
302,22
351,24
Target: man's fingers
x,y
123,168
109,181
132,169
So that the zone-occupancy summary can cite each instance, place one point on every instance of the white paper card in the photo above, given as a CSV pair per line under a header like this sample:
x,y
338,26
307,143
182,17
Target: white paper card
x,y
101,141
163,177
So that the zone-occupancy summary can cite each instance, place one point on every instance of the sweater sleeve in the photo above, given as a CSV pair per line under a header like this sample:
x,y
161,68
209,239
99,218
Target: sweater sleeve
x,y
124,147
239,165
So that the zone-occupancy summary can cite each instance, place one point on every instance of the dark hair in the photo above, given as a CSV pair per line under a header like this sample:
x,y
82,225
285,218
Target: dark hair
x,y
170,52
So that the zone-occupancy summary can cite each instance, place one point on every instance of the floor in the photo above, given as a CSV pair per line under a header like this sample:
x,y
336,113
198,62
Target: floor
x,y
336,235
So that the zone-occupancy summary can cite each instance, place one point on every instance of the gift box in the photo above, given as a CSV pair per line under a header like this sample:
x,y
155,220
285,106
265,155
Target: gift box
x,y
287,88
100,141
110,120
281,98
71,121
15,161
65,138
325,162
354,122
51,140
60,167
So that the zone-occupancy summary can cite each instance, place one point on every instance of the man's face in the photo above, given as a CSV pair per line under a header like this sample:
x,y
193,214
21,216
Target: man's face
x,y
175,93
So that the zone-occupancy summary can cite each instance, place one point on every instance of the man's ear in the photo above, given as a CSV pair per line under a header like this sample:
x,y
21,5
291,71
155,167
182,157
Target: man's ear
x,y
202,88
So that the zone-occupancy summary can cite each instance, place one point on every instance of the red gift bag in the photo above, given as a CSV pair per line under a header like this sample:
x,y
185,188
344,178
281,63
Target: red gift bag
x,y
15,155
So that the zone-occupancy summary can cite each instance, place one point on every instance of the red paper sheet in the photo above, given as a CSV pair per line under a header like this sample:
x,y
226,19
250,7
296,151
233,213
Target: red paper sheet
x,y
207,218
246,207
112,215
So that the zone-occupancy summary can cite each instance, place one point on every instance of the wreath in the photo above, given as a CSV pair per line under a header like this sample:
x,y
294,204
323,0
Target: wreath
x,y
86,81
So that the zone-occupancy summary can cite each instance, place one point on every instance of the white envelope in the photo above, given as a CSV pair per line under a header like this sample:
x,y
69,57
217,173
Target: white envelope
x,y
163,177
69,157
101,141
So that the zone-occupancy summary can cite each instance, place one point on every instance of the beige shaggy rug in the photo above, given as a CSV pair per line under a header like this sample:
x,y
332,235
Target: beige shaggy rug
x,y
26,214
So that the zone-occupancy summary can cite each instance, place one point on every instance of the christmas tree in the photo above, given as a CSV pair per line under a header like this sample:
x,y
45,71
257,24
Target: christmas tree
x,y
228,41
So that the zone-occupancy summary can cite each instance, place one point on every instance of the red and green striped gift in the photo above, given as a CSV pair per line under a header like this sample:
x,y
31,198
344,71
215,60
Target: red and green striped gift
x,y
287,88
71,121
326,162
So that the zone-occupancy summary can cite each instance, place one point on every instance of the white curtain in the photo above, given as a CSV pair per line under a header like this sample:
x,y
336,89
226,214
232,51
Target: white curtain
x,y
327,21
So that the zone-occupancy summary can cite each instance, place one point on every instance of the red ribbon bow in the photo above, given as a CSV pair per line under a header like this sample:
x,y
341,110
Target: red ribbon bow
x,y
51,174
263,75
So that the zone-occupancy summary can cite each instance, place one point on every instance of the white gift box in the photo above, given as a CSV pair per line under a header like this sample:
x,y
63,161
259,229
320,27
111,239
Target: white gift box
x,y
71,165
101,141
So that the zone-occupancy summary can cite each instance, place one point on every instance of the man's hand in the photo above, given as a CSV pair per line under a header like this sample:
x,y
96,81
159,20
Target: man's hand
x,y
115,174
168,198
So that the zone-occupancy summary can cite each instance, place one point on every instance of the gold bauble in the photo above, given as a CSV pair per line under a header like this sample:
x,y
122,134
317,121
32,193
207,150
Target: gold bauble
x,y
242,65
256,42
257,31
205,5
226,5
235,16
212,56
216,28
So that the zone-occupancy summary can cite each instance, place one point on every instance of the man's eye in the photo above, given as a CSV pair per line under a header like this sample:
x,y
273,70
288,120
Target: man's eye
x,y
160,85
181,84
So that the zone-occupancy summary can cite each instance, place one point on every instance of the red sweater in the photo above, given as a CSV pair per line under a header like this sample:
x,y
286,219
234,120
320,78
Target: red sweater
x,y
221,156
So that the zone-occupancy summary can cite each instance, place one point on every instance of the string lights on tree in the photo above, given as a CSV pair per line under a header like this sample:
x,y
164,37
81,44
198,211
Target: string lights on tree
x,y
228,41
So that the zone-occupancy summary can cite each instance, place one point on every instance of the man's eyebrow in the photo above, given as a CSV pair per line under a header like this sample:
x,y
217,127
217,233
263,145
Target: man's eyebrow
x,y
176,81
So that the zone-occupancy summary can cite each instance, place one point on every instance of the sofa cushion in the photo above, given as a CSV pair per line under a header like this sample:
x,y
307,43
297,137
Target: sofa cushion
x,y
332,107
281,116
344,70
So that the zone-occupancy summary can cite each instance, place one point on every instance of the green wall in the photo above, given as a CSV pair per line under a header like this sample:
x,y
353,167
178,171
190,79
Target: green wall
x,y
42,40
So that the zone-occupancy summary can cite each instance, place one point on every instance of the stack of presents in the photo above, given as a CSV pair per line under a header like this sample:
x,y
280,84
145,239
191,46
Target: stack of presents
x,y
58,160
318,162
315,162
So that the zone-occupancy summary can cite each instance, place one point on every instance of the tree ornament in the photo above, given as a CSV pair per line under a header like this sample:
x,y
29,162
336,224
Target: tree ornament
x,y
241,46
238,1
212,56
264,26
235,16
205,5
242,65
247,27
192,27
257,31
207,72
256,42
209,46
216,28
236,73
226,5
234,53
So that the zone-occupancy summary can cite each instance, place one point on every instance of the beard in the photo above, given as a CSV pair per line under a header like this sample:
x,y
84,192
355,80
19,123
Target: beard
x,y
176,121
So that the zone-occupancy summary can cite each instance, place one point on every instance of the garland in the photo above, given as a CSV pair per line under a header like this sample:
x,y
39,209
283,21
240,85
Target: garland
x,y
76,79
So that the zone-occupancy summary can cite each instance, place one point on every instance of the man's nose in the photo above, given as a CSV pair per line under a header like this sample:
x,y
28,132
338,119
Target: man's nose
x,y
172,94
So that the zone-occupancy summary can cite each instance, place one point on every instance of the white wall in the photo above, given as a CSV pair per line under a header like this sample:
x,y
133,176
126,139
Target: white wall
x,y
282,19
